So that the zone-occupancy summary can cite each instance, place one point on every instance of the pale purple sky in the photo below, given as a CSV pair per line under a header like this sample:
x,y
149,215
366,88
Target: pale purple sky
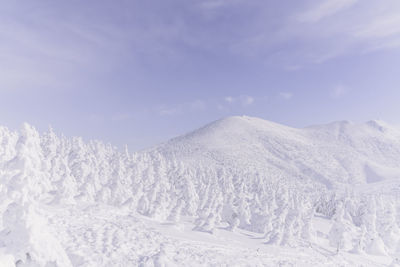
x,y
141,72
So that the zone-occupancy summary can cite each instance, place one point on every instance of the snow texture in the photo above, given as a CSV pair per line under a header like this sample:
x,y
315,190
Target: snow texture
x,y
240,191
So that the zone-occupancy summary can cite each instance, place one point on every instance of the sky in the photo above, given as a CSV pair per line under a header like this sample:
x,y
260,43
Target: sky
x,y
140,72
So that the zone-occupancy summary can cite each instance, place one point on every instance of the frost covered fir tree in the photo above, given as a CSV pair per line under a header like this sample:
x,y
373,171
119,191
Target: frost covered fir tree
x,y
207,217
204,191
388,228
26,176
337,234
244,212
151,197
259,214
274,237
326,204
207,224
49,144
271,207
55,151
27,238
119,184
229,213
190,195
292,225
176,212
307,229
218,212
359,243
143,205
374,243
159,207
8,140
287,237
234,222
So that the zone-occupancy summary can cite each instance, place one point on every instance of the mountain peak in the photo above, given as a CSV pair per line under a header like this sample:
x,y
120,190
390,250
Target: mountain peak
x,y
247,142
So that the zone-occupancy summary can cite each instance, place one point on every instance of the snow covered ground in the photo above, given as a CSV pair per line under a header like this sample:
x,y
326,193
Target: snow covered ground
x,y
239,192
106,236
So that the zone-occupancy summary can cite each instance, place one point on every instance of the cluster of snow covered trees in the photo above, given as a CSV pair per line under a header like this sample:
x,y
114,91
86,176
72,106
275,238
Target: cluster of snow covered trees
x,y
56,170
366,224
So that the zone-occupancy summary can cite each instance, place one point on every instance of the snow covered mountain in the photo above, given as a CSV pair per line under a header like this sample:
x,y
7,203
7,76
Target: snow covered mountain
x,y
239,186
334,154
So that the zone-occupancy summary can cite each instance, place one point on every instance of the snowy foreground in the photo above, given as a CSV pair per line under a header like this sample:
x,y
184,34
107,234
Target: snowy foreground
x,y
239,192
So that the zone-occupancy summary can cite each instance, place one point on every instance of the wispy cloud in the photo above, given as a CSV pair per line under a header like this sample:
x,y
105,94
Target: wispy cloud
x,y
323,30
295,36
191,106
338,91
198,105
286,95
340,27
229,99
247,100
324,9
169,111
243,100
40,51
227,103
122,116
380,27
213,4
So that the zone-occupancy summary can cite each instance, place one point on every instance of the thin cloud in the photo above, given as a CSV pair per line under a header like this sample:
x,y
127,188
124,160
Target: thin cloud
x,y
122,116
213,4
221,107
247,100
198,105
338,91
192,106
229,99
337,31
325,9
165,111
381,27
286,95
322,31
243,100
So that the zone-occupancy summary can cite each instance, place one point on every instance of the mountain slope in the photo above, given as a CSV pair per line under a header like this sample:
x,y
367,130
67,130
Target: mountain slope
x,y
333,154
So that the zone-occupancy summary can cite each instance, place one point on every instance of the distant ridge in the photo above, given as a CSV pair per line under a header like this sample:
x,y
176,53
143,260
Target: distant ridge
x,y
336,152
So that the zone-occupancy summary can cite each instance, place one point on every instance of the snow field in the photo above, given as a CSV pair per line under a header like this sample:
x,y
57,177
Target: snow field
x,y
238,192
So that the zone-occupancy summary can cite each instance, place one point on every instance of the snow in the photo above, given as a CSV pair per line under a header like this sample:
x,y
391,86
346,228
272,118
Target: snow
x,y
240,191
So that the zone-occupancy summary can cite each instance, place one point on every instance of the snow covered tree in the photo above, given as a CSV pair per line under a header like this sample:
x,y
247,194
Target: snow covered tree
x,y
275,235
307,230
360,242
27,178
287,236
337,233
26,236
388,228
176,212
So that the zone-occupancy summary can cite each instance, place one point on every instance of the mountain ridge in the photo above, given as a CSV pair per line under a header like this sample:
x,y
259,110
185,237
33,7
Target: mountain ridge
x,y
236,139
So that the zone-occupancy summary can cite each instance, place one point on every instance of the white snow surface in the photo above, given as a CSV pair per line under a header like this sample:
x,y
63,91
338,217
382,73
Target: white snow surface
x,y
240,191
